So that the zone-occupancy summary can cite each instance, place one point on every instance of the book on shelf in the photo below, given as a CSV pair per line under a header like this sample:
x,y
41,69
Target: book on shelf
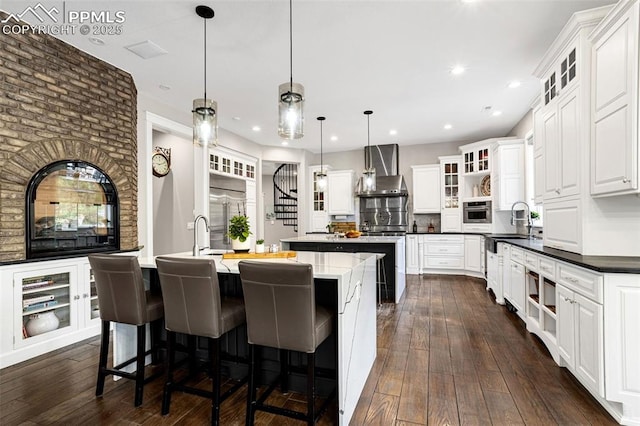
x,y
36,284
41,305
37,299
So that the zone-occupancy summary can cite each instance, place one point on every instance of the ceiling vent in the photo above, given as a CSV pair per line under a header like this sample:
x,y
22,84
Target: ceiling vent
x,y
146,49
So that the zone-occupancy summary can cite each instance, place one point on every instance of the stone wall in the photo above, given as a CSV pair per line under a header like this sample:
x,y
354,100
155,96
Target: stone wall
x,y
59,103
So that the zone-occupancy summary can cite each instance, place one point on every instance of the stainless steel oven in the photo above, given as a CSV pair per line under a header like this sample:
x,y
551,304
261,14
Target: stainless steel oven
x,y
477,212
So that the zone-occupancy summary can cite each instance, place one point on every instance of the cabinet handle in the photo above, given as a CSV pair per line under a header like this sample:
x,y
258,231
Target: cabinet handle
x,y
557,190
76,297
85,295
625,180
571,279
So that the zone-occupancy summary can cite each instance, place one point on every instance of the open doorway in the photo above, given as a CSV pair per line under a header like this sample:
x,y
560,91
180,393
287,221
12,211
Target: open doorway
x,y
281,202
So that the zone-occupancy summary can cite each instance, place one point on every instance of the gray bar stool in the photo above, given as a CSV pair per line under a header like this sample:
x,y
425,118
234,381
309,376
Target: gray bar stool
x,y
282,313
381,277
122,298
194,306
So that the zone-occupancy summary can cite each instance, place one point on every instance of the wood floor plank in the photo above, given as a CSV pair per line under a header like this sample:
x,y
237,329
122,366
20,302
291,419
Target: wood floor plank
x,y
392,375
383,410
412,405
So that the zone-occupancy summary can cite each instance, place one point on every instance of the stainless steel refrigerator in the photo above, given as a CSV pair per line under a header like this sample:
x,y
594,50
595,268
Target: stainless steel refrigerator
x,y
226,199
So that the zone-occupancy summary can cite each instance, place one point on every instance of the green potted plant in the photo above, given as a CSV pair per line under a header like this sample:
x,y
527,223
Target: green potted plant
x,y
260,246
239,233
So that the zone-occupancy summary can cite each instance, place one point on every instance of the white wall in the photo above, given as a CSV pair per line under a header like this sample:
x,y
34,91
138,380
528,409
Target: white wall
x,y
173,197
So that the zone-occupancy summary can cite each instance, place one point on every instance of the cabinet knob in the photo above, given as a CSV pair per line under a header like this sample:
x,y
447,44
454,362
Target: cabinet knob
x,y
557,190
625,180
76,297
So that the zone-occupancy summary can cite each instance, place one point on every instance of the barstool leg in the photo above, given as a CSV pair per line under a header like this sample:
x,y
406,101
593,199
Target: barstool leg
x,y
141,332
168,385
251,387
284,371
215,364
104,355
311,388
383,278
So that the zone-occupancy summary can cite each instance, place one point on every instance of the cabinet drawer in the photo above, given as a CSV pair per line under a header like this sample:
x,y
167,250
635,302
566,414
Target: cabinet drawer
x,y
531,261
587,283
445,249
443,238
445,262
517,255
548,268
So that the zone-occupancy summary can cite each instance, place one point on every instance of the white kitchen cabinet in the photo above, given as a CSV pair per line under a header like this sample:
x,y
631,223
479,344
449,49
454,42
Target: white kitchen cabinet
x,y
538,155
252,209
340,191
508,174
412,254
517,287
622,352
494,280
473,253
69,286
563,225
561,134
580,337
475,158
317,203
426,188
443,253
614,102
451,207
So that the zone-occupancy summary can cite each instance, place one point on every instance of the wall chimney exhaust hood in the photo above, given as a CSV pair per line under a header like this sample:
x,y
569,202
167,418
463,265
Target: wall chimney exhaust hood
x,y
384,158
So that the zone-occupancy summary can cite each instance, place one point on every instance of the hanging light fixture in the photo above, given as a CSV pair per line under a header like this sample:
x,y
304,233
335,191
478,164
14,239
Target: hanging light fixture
x,y
321,178
205,111
369,173
290,98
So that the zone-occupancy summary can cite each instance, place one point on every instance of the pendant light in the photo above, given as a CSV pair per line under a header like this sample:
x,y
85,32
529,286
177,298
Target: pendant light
x,y
321,178
290,98
369,173
205,111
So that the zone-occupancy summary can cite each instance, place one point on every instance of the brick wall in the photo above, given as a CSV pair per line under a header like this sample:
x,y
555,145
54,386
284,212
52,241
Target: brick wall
x,y
58,103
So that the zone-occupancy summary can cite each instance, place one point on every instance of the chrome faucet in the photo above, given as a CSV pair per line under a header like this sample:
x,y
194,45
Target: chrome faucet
x,y
514,219
196,248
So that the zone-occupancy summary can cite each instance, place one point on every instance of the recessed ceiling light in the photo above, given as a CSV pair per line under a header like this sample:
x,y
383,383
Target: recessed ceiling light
x,y
97,41
514,84
393,132
334,138
457,70
285,143
236,118
164,87
448,126
496,113
256,128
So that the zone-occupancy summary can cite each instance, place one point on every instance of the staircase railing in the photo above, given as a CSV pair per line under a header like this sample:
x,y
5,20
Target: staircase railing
x,y
285,194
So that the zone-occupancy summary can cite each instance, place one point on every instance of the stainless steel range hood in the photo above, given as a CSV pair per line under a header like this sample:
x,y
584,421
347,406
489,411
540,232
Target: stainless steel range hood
x,y
384,158
386,186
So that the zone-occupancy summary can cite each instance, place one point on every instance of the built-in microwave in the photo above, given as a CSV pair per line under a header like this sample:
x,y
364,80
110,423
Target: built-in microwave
x,y
477,212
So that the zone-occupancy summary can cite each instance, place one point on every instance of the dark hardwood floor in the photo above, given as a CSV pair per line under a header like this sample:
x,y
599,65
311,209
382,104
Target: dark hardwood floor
x,y
447,355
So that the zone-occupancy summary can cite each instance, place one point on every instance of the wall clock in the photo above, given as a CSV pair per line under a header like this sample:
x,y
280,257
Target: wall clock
x,y
161,161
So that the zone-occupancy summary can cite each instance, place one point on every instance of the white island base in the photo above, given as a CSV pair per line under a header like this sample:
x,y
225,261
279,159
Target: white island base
x,y
355,277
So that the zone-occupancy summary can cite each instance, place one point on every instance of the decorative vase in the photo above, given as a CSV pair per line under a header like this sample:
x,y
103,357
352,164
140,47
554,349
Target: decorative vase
x,y
42,323
259,248
240,246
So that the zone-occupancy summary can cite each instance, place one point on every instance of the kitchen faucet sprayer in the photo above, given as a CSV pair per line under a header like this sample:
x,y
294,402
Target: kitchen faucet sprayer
x,y
196,248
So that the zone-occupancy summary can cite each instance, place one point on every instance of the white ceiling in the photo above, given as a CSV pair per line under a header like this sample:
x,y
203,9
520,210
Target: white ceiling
x,y
391,56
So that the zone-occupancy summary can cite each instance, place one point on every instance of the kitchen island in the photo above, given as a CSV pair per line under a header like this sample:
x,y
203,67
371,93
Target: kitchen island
x,y
353,279
392,247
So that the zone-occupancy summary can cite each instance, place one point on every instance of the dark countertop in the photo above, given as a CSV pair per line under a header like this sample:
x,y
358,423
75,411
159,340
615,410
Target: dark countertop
x,y
65,256
606,264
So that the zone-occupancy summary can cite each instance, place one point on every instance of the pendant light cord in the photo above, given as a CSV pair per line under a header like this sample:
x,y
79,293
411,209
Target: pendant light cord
x,y
368,145
291,46
205,62
321,163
